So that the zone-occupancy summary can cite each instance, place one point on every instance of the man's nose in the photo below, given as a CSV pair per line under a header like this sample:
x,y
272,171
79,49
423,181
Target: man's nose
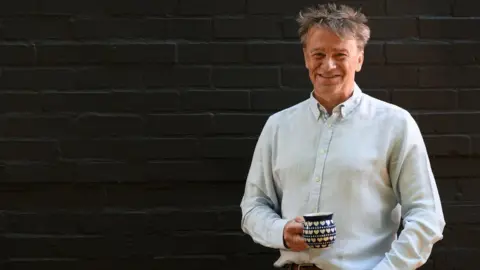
x,y
328,63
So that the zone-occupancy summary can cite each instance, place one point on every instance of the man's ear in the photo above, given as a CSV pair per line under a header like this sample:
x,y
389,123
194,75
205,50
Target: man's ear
x,y
305,56
360,61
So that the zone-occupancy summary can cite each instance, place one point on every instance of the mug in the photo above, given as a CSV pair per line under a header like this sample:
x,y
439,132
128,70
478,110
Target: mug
x,y
319,230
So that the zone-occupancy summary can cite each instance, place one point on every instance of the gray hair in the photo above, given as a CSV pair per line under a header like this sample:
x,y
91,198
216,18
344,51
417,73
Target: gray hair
x,y
342,20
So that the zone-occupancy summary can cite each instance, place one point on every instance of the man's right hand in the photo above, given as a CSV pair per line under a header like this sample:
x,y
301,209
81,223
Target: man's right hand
x,y
293,235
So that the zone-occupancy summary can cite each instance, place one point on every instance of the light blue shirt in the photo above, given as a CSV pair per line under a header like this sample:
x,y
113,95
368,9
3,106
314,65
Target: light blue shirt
x,y
367,163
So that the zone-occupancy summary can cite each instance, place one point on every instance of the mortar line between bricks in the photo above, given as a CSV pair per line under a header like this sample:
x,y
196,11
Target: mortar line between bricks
x,y
418,76
418,26
452,7
384,52
37,235
44,259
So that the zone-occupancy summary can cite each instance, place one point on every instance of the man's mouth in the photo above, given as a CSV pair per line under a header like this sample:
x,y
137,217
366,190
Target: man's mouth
x,y
328,76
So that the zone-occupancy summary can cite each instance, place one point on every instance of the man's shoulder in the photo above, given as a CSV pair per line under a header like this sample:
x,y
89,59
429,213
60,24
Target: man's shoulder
x,y
390,114
382,107
298,109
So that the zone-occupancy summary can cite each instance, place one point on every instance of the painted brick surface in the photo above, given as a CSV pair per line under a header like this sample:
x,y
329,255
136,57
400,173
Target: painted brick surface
x,y
127,127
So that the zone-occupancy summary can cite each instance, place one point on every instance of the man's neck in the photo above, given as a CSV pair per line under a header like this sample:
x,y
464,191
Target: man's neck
x,y
331,100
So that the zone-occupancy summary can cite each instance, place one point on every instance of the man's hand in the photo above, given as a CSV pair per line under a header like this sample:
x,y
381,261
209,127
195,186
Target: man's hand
x,y
293,235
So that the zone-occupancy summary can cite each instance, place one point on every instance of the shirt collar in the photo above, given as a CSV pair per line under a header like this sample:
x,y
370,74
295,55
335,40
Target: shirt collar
x,y
345,108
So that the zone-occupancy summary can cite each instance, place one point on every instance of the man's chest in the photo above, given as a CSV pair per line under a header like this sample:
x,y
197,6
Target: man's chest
x,y
343,150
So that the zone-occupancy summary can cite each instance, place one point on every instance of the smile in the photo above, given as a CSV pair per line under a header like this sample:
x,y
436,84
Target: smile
x,y
329,77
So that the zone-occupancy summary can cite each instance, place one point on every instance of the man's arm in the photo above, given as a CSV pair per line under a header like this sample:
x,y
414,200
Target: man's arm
x,y
416,190
260,206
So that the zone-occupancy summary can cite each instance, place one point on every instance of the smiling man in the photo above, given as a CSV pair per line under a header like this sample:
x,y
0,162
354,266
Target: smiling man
x,y
331,61
345,152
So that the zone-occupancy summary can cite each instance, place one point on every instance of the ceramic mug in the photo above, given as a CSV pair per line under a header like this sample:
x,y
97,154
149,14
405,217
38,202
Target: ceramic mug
x,y
319,230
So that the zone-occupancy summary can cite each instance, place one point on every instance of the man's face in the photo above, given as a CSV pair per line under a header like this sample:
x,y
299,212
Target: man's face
x,y
331,61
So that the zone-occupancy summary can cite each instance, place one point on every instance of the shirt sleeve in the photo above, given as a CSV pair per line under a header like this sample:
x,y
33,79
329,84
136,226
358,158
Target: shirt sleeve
x,y
261,217
414,185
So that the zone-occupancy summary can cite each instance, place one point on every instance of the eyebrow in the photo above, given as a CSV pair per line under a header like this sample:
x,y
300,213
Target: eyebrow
x,y
322,49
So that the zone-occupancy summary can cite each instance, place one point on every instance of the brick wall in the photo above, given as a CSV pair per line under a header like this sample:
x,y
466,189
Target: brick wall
x,y
127,127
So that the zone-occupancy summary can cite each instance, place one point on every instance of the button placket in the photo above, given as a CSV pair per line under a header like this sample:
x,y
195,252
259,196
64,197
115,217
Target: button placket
x,y
322,154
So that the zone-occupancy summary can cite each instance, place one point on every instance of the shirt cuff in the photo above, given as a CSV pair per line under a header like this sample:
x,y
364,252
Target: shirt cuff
x,y
276,234
384,265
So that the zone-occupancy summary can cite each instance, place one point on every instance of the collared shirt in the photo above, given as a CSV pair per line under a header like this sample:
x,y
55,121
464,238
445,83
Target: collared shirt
x,y
367,163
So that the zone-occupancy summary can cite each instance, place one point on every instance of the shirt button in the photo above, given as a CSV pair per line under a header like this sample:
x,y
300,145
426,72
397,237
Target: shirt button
x,y
322,151
317,179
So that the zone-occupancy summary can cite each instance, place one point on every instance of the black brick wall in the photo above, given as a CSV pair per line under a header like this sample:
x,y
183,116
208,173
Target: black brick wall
x,y
127,127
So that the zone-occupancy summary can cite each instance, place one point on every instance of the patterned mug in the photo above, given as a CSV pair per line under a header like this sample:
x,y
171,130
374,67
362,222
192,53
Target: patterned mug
x,y
319,230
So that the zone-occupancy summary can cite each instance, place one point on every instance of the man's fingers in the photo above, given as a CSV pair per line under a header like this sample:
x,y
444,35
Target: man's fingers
x,y
298,229
299,240
299,224
298,243
304,244
294,234
295,228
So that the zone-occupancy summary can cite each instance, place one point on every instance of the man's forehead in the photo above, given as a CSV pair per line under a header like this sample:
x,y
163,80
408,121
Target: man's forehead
x,y
346,46
330,48
322,38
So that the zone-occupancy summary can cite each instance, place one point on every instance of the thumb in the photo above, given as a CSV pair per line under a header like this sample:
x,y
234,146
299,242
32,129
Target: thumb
x,y
299,219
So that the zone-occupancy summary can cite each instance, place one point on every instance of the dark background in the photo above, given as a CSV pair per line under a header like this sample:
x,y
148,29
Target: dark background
x,y
127,127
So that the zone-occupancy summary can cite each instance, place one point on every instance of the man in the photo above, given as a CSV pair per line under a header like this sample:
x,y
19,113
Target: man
x,y
345,152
